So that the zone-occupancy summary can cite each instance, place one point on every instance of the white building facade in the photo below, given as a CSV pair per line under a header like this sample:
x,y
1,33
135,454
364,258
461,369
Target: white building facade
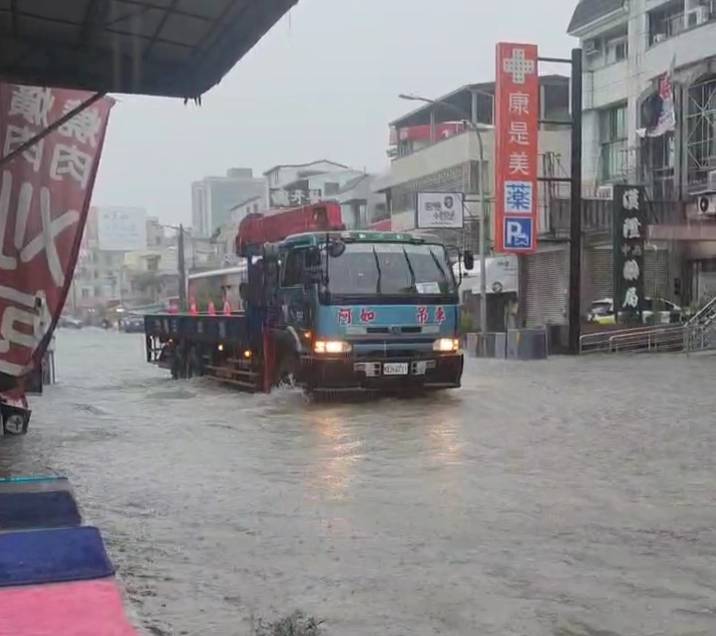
x,y
292,185
628,46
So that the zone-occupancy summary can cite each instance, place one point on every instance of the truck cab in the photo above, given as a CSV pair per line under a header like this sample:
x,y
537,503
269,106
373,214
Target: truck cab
x,y
365,310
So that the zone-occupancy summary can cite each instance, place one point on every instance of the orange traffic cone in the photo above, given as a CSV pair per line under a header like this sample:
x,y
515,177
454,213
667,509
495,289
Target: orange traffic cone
x,y
212,308
227,307
192,308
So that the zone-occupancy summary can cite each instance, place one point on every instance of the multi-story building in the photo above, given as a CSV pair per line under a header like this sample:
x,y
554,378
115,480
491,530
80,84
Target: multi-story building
x,y
101,278
630,48
433,150
213,198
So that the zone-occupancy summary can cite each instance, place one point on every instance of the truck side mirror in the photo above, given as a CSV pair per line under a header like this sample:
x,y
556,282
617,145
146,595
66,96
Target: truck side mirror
x,y
335,249
469,260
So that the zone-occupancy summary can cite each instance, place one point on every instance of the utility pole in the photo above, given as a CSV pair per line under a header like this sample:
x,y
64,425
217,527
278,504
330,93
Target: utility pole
x,y
182,269
575,232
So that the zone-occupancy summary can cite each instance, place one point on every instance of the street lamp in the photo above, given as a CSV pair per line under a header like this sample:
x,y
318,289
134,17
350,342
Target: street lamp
x,y
483,201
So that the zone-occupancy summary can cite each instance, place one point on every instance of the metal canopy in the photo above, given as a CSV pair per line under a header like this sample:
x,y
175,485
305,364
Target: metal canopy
x,y
174,48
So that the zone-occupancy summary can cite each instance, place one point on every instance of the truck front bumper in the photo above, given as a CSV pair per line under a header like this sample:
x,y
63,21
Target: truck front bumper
x,y
442,371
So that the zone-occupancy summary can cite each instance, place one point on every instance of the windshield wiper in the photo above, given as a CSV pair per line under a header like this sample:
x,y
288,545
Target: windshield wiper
x,y
440,267
413,284
380,273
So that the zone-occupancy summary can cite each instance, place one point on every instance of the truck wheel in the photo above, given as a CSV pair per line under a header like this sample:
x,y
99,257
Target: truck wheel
x,y
194,366
288,369
177,365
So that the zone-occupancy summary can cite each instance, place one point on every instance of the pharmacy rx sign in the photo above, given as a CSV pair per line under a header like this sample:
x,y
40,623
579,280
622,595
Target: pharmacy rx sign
x,y
517,126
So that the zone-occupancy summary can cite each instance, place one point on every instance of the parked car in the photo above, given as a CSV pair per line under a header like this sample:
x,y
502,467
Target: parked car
x,y
657,311
69,322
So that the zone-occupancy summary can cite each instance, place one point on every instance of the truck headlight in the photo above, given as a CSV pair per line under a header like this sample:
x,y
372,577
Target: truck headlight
x,y
446,345
331,346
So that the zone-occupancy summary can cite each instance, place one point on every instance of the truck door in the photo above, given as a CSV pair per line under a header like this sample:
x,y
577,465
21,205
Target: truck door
x,y
295,299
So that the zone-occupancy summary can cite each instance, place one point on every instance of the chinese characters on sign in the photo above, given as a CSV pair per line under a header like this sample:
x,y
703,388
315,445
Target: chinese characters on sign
x,y
440,210
517,125
345,316
44,196
629,234
282,198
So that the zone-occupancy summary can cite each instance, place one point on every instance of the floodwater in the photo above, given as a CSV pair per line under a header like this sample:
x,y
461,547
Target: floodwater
x,y
564,498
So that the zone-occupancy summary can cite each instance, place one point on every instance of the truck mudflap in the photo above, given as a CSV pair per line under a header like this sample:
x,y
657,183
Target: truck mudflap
x,y
382,374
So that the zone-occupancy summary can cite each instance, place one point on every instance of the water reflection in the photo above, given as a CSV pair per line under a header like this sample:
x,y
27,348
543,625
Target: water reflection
x,y
338,454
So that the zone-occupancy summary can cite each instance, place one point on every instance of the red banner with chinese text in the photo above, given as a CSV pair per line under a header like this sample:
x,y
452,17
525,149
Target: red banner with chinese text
x,y
44,197
517,129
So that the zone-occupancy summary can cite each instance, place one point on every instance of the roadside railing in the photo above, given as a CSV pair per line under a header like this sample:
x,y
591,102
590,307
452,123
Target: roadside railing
x,y
700,331
638,339
660,339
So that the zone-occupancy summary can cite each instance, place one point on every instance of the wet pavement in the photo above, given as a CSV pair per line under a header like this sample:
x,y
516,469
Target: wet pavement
x,y
564,498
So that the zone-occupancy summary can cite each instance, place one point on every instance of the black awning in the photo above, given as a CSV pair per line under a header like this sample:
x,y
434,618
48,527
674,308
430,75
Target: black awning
x,y
174,48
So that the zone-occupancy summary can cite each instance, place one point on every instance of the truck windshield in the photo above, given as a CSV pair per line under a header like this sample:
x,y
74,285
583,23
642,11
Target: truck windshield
x,y
368,269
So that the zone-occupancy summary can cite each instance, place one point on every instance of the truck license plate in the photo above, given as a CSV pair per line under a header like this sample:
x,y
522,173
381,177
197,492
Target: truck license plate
x,y
395,368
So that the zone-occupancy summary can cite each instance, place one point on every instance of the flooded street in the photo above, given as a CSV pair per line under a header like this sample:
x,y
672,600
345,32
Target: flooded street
x,y
567,498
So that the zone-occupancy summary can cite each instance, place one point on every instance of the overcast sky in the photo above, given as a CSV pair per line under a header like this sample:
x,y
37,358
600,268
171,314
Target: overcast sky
x,y
322,84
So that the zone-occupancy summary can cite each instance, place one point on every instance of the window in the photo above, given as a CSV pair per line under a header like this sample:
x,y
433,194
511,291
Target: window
x,y
678,16
701,144
666,22
613,140
331,188
294,268
617,49
662,158
86,292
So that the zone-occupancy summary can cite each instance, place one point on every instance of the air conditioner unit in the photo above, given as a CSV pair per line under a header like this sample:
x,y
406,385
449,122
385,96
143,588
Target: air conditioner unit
x,y
697,16
605,192
592,47
706,204
712,181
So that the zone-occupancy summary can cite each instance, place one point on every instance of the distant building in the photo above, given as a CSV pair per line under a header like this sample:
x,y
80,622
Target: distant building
x,y
100,276
300,184
253,205
361,206
212,198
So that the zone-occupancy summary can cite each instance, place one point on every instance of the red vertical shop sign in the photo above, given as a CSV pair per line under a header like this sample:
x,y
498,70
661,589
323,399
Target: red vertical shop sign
x,y
44,197
517,125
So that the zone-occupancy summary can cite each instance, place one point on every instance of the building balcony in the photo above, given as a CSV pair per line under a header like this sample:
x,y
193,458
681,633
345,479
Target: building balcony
x,y
689,46
597,216
448,153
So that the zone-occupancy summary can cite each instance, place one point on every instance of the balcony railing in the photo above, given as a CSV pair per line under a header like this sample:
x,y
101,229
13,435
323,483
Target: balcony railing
x,y
597,215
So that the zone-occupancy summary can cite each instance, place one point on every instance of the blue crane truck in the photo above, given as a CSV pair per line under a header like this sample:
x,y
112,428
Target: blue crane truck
x,y
325,309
